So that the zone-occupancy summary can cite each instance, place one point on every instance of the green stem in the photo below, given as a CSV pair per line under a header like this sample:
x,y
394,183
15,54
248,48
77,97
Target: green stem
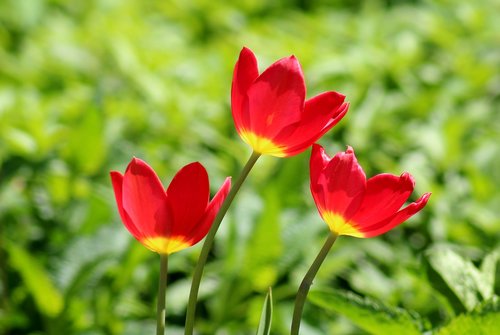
x,y
207,245
307,282
162,288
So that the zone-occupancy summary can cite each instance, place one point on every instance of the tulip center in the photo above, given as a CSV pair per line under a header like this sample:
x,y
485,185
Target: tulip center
x,y
165,245
340,226
262,145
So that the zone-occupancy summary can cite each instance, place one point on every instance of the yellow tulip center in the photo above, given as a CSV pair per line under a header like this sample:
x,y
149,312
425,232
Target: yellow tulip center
x,y
262,145
164,245
339,225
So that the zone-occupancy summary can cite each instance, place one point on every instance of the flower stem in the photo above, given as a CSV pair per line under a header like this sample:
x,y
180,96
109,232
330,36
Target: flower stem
x,y
162,288
307,282
207,245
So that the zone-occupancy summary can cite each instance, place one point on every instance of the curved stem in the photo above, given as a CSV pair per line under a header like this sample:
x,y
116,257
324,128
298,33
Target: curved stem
x,y
307,282
207,245
162,288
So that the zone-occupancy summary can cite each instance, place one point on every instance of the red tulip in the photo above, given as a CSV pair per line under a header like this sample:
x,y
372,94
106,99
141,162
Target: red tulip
x,y
270,112
352,205
166,221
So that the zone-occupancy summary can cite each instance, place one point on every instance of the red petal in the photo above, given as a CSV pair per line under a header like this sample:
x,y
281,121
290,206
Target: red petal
x,y
188,195
385,194
398,218
117,181
245,73
320,114
318,162
344,184
144,199
276,98
199,232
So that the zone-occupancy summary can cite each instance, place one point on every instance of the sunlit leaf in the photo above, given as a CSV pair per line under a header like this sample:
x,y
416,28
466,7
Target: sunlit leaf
x,y
488,271
368,314
39,283
20,142
483,320
463,278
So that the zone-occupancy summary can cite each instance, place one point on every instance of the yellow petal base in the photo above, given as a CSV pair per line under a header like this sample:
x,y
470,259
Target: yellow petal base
x,y
262,145
163,245
339,226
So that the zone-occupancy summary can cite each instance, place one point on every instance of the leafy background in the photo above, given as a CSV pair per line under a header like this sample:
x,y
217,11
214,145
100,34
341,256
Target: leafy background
x,y
86,85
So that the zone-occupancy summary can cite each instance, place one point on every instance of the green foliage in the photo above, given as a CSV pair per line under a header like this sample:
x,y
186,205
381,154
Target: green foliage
x,y
483,320
469,284
366,313
377,318
38,282
267,315
86,85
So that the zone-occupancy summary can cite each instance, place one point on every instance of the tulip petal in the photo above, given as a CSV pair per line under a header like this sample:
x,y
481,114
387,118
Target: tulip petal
x,y
199,232
319,160
320,114
245,72
188,195
398,218
384,196
117,181
144,199
344,184
276,98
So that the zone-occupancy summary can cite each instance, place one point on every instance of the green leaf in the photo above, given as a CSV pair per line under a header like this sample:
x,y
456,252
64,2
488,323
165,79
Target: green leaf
x,y
488,271
267,315
366,313
86,147
463,278
38,282
483,320
20,142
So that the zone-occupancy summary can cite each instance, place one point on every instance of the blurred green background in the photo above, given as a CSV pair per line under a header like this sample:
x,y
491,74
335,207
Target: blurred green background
x,y
86,85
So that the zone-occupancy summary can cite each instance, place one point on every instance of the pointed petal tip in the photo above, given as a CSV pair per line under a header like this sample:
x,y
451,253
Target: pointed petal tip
x,y
226,185
425,197
138,166
246,51
408,179
405,175
319,151
316,147
422,202
416,206
138,162
290,63
341,112
419,204
349,150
